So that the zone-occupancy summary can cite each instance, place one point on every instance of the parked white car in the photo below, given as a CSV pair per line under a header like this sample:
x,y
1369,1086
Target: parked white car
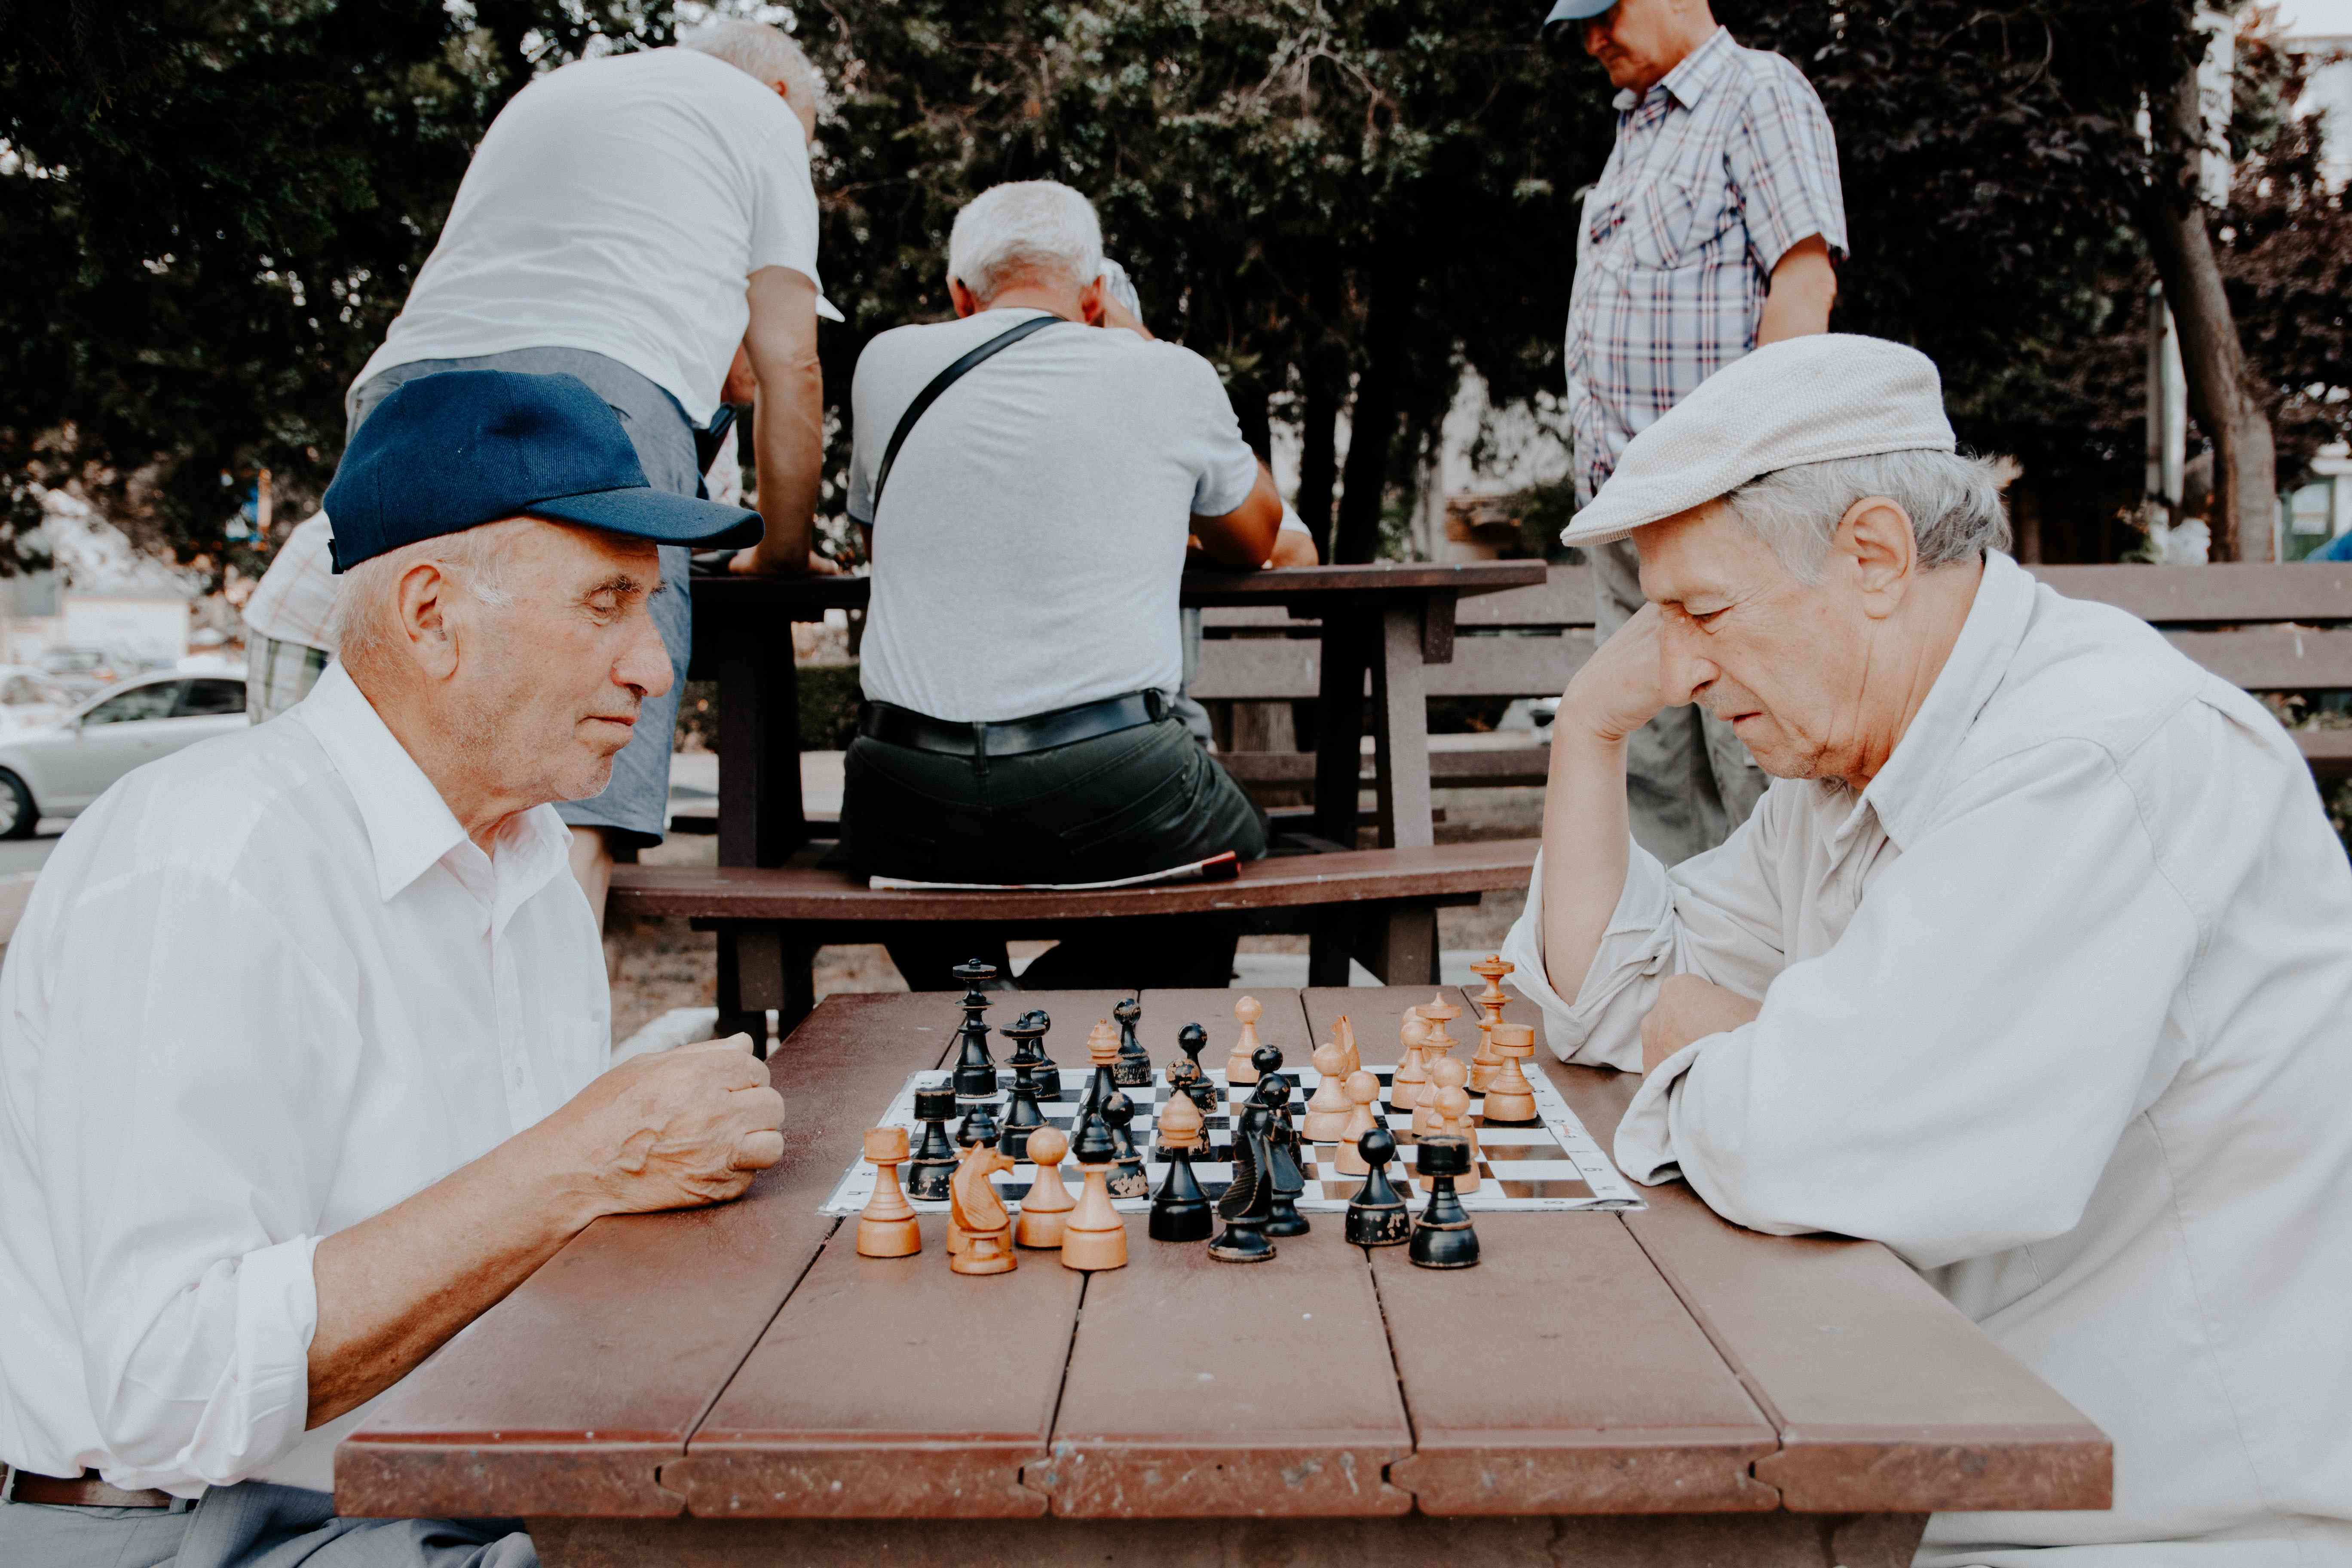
x,y
30,696
58,769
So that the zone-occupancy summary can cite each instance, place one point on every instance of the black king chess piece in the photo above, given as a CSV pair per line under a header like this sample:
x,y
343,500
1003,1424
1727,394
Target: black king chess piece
x,y
1285,1177
1193,1040
1376,1215
1028,1038
975,1073
1443,1237
1128,1180
1133,1068
933,1163
1022,1117
1248,1199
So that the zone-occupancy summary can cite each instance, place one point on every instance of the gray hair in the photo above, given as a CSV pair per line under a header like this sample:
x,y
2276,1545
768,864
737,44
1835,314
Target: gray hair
x,y
764,53
1953,500
1028,226
365,624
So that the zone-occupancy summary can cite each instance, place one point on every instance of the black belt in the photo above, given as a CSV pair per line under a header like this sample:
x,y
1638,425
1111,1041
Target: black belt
x,y
897,726
85,1490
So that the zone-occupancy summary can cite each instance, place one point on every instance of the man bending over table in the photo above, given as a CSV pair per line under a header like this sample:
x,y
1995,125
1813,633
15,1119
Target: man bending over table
x,y
1022,652
2034,964
300,1034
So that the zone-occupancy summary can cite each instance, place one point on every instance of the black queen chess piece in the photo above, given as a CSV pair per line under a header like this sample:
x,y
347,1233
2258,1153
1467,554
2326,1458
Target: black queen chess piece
x,y
1022,1117
1377,1215
975,1071
1443,1238
933,1163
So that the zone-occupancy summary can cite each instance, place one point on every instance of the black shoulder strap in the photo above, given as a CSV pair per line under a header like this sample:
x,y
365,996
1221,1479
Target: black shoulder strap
x,y
940,383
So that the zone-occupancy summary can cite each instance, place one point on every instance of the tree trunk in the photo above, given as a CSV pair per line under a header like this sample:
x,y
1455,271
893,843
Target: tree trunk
x,y
1324,371
1372,428
2226,408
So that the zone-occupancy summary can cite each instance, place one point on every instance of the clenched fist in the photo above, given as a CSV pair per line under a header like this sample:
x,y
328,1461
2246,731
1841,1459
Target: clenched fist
x,y
1623,685
676,1130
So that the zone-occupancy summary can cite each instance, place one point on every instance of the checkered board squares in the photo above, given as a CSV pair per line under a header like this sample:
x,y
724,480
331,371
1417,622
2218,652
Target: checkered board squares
x,y
1550,1166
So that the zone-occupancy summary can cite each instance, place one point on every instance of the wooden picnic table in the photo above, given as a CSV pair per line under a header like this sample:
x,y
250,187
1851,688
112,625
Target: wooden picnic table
x,y
735,1385
1388,620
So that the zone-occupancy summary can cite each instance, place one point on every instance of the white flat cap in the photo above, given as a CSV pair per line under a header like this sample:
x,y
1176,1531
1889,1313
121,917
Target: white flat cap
x,y
1802,400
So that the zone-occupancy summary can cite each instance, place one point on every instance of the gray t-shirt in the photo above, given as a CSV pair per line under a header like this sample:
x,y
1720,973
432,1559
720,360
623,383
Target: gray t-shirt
x,y
1032,537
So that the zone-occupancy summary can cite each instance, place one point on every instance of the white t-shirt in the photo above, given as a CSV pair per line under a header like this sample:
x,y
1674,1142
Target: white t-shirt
x,y
618,205
1032,537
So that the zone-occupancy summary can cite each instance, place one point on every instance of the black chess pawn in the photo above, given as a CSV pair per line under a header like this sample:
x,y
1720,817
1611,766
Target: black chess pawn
x,y
1248,1200
978,1126
1133,1068
1376,1215
1193,1040
1267,1059
1022,1117
1128,1180
1029,1050
933,1163
1285,1178
1443,1238
975,1071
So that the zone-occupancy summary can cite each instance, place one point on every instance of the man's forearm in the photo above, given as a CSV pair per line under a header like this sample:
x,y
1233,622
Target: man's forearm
x,y
393,1289
1586,830
788,445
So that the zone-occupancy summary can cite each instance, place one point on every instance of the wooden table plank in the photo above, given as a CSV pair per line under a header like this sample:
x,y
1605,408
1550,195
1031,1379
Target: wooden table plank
x,y
570,1395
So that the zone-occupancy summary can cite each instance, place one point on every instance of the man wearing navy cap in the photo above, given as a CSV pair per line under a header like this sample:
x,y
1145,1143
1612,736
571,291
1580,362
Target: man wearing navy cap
x,y
1711,230
301,1034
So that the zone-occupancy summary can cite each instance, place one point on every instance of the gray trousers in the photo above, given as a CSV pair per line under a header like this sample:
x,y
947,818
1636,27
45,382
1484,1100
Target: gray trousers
x,y
1688,778
637,799
253,1525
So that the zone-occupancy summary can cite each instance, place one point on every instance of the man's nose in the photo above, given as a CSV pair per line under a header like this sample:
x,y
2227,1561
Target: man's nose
x,y
1688,668
644,663
1596,31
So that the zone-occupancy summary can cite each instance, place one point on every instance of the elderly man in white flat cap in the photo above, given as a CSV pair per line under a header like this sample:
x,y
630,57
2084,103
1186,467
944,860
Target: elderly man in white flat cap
x,y
2034,963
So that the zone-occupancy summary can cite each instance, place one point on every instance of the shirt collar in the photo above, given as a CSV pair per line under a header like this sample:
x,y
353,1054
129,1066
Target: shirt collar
x,y
1907,788
410,827
1690,80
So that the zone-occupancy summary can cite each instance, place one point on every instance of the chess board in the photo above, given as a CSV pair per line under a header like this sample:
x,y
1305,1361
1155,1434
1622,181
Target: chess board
x,y
1550,1166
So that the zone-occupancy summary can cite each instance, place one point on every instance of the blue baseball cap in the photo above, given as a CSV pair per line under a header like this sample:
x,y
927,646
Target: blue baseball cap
x,y
1566,11
449,452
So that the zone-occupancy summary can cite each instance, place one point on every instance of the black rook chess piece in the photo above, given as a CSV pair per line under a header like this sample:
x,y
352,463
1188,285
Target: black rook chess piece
x,y
1133,1068
1022,1117
1128,1180
975,1073
1376,1215
1192,1040
933,1163
1249,1197
1443,1238
1029,1050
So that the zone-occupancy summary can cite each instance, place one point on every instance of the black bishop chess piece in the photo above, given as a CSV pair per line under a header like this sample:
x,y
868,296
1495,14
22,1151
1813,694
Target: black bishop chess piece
x,y
1248,1200
1287,1179
1127,1177
978,1126
1133,1068
933,1165
1180,1210
1028,1038
1022,1117
1193,1040
975,1072
1377,1215
1443,1238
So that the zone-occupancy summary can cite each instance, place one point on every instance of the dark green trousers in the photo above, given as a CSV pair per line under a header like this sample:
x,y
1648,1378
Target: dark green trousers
x,y
1118,805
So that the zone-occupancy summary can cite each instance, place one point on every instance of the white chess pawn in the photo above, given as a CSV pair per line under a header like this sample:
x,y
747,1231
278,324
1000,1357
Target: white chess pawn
x,y
1239,1069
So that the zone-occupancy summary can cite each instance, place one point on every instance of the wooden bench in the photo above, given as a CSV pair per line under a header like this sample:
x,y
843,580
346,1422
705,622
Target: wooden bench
x,y
2267,629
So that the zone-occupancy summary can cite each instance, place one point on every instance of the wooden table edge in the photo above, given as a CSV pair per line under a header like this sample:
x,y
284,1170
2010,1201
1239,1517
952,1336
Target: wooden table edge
x,y
1338,1474
861,1476
1850,1469
413,1478
1519,1473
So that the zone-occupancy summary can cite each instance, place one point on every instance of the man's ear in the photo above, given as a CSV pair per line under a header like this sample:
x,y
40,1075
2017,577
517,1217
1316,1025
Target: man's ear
x,y
966,303
1875,536
425,629
1090,302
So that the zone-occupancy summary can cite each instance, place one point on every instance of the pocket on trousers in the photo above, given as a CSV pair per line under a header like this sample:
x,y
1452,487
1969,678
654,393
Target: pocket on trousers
x,y
1158,813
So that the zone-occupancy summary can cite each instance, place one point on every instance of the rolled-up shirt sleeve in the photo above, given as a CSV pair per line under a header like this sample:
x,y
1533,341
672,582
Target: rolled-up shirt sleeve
x,y
184,1203
1951,1077
1782,160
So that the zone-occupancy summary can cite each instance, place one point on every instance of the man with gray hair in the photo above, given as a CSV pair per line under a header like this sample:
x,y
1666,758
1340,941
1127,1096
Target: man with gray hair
x,y
303,1037
2035,963
1027,476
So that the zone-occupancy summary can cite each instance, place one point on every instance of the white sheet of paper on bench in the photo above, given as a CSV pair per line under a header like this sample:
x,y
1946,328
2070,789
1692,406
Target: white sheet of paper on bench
x,y
1215,868
1554,1166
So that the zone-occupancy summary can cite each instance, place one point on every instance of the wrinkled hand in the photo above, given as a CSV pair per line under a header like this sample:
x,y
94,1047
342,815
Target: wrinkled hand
x,y
1622,686
673,1130
1688,1009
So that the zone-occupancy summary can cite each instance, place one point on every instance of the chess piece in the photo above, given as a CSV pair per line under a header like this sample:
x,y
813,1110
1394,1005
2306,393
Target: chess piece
x,y
935,1159
1045,1207
1362,1089
1450,1106
1326,1112
1248,1200
1287,1179
1238,1070
1102,1050
1028,1038
1126,1178
1133,1068
1264,1061
1093,1236
1437,1012
1510,1097
1442,1238
1344,1031
1180,1210
1411,1075
1192,1040
987,1228
978,1131
1376,1215
1021,1118
1485,1064
975,1071
887,1228
1427,1120
978,1126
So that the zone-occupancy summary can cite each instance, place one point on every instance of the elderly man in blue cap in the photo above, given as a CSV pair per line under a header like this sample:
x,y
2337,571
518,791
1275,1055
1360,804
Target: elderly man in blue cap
x,y
301,1035
1712,229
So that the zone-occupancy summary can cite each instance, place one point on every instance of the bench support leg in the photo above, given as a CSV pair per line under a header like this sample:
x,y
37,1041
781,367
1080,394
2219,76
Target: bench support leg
x,y
1400,945
1331,944
763,968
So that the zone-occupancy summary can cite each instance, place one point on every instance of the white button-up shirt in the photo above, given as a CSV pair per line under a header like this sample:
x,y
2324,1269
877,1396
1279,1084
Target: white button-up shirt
x,y
2059,1008
265,989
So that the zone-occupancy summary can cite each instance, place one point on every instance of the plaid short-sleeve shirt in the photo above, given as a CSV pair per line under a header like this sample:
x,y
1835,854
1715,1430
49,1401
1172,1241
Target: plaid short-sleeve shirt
x,y
1717,171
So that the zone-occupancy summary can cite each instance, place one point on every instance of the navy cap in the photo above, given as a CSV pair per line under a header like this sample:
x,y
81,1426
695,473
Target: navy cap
x,y
1566,11
449,452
